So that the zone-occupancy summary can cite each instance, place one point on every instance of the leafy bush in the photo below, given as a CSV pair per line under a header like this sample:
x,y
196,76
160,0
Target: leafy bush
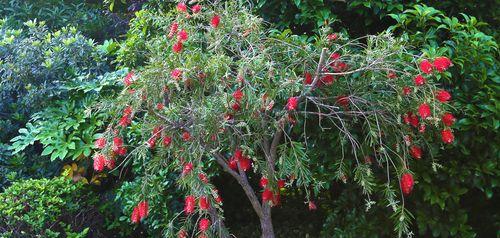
x,y
47,208
89,20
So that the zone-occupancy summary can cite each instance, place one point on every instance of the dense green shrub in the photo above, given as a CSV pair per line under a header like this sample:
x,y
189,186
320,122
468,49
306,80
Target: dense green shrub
x,y
47,208
89,19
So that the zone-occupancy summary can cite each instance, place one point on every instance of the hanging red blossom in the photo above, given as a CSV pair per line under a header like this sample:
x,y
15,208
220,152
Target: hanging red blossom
x,y
182,35
442,63
110,163
391,75
143,209
182,234
181,7
203,177
151,142
424,110
245,163
99,162
186,136
443,96
332,37
189,204
204,224
343,101
263,182
177,47
426,66
281,183
308,78
328,79
267,195
448,119
236,106
421,128
187,168
100,143
447,136
419,80
129,78
312,206
167,140
238,95
407,183
176,73
196,8
173,30
414,120
233,163
406,90
203,203
215,21
117,143
160,106
135,217
416,152
292,103
124,121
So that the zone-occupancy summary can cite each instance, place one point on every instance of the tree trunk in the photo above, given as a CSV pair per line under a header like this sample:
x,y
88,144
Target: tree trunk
x,y
266,222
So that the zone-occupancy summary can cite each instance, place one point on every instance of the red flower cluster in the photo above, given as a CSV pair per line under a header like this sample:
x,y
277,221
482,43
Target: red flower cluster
x,y
203,203
140,212
126,118
204,224
406,183
129,78
238,157
419,80
189,204
117,146
100,143
440,64
416,152
292,104
215,21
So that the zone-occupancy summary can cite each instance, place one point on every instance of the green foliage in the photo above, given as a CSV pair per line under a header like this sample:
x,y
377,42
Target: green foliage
x,y
45,208
89,20
68,128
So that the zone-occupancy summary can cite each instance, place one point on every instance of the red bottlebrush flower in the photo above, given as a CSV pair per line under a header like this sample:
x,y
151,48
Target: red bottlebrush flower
x,y
443,96
328,79
236,106
215,21
143,209
406,91
277,199
312,206
233,164
110,163
414,120
189,204
426,66
187,168
416,152
176,73
391,75
332,37
117,143
203,177
204,224
173,29
122,151
181,7
263,182
419,80
160,106
127,111
238,95
343,101
182,35
406,183
308,78
151,142
218,199
124,121
447,136
281,183
203,203
448,119
182,234
135,217
238,154
99,162
335,56
100,143
421,128
196,8
267,195
442,63
340,66
129,78
406,118
167,140
292,103
177,47
186,136
424,110
245,163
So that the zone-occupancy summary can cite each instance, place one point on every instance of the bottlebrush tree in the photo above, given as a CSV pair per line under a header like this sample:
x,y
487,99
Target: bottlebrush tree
x,y
222,89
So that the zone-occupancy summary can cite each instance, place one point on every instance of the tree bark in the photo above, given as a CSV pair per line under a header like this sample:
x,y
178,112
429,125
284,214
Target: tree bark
x,y
266,222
